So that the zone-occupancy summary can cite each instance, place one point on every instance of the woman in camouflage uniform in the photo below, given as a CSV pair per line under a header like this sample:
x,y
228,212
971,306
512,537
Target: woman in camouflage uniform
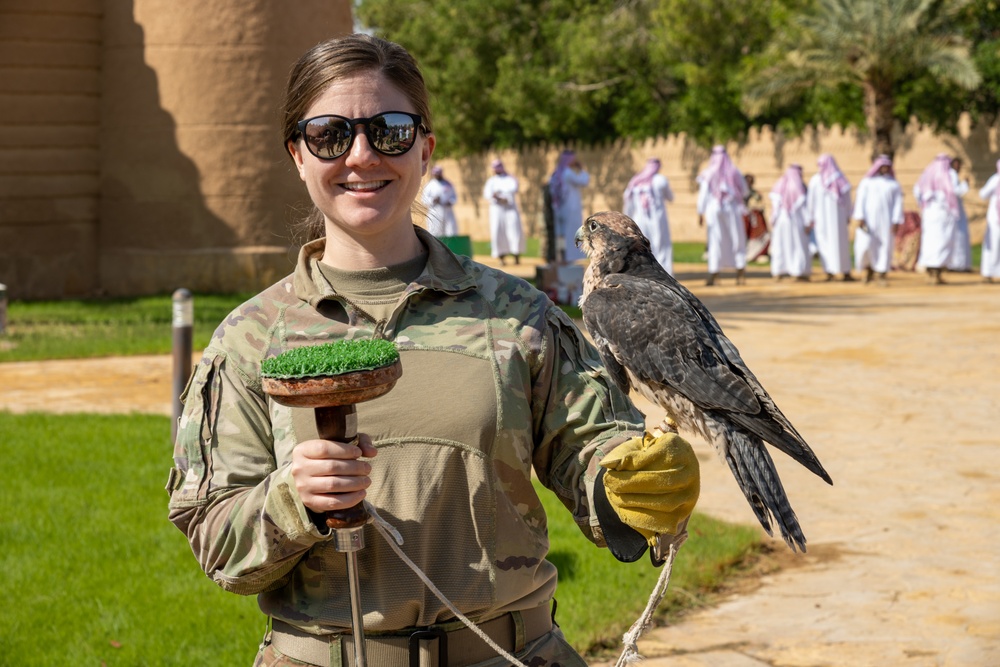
x,y
497,382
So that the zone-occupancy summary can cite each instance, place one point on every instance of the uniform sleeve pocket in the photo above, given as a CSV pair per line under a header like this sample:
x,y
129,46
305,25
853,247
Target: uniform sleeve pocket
x,y
196,434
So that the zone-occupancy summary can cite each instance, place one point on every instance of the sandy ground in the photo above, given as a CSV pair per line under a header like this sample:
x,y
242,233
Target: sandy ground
x,y
897,389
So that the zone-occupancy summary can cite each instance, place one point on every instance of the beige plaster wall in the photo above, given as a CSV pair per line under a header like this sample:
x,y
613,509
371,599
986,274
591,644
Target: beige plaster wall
x,y
139,142
764,154
196,189
50,56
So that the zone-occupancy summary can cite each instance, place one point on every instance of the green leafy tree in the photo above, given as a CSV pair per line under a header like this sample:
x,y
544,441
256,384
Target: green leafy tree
x,y
983,31
505,73
509,73
881,47
705,45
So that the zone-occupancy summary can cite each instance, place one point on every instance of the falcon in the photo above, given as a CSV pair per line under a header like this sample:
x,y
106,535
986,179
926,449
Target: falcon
x,y
657,338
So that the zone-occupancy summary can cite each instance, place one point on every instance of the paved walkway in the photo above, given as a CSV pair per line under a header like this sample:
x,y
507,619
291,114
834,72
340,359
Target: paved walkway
x,y
897,390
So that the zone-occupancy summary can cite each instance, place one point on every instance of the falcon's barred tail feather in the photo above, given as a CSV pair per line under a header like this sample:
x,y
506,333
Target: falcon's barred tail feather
x,y
758,479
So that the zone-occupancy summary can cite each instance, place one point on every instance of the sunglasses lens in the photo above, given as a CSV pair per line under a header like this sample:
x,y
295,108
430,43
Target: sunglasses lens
x,y
392,133
328,136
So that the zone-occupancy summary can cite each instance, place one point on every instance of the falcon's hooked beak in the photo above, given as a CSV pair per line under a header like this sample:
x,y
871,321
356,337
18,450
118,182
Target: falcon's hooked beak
x,y
578,239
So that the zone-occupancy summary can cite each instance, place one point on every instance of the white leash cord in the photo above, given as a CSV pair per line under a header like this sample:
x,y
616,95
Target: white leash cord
x,y
630,654
394,539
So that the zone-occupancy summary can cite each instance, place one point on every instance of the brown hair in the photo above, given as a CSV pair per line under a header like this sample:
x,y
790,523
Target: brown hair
x,y
339,58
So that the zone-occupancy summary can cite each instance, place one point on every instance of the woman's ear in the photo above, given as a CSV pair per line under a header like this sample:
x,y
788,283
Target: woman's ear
x,y
293,150
426,151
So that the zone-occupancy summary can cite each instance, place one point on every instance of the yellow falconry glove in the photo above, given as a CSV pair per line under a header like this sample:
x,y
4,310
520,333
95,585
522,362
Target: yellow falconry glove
x,y
653,484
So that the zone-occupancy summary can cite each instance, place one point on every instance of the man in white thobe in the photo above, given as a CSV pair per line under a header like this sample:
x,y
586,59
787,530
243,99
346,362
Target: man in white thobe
x,y
790,224
721,193
878,207
506,234
937,193
961,247
829,203
565,188
645,202
439,198
990,261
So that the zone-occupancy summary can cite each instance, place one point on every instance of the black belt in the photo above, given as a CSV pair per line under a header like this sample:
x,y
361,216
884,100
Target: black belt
x,y
432,645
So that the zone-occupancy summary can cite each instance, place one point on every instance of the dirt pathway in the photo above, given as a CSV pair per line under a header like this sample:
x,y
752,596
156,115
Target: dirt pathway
x,y
897,390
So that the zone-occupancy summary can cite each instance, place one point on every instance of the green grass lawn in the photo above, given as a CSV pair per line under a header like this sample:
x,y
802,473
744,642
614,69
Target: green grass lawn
x,y
105,327
95,574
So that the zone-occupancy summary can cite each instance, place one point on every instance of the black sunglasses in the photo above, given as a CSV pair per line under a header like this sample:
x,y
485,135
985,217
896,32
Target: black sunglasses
x,y
389,133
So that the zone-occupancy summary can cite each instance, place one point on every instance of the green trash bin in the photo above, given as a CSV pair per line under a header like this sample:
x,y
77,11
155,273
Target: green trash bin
x,y
460,245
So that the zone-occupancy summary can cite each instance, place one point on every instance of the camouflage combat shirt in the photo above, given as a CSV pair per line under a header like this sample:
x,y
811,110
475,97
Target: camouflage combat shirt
x,y
524,391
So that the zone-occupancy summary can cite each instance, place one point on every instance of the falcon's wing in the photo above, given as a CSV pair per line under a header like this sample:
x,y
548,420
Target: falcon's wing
x,y
657,334
664,335
611,363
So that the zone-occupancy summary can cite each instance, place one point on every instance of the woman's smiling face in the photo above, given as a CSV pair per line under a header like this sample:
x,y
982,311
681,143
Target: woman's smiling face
x,y
363,194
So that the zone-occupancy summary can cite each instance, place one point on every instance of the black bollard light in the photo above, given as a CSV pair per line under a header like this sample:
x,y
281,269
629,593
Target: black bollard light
x,y
183,328
3,309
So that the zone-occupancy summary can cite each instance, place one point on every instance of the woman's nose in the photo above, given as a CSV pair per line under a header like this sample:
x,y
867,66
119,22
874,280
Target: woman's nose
x,y
361,154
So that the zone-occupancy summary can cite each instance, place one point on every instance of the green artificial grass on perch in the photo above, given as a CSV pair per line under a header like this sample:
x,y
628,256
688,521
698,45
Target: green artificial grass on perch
x,y
330,359
331,378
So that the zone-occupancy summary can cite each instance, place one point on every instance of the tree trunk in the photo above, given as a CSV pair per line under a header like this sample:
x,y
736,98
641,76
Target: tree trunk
x,y
879,103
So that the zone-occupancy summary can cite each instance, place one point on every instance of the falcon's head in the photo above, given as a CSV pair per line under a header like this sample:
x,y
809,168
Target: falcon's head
x,y
612,240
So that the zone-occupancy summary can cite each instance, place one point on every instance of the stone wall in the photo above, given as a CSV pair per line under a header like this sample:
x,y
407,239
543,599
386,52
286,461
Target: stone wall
x,y
139,142
764,154
50,62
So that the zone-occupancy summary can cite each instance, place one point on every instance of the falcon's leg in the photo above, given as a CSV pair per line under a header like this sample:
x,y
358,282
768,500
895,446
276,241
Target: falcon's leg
x,y
668,425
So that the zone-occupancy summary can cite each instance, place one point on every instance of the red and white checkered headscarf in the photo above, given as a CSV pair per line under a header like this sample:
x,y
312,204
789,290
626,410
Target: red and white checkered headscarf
x,y
724,179
644,177
881,161
937,178
831,176
791,188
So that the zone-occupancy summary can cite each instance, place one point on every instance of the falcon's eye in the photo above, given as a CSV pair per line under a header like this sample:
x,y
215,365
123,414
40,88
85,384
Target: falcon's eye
x,y
592,226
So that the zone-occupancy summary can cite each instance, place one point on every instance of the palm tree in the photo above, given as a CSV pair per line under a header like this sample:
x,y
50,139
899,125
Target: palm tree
x,y
875,45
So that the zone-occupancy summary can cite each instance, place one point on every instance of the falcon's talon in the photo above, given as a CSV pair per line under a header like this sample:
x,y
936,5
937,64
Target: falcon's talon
x,y
668,425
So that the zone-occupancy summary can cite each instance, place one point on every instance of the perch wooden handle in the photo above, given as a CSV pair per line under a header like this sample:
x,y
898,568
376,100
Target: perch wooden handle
x,y
340,423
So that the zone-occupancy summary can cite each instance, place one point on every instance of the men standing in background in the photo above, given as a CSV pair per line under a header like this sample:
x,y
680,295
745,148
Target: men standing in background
x,y
878,207
506,234
829,203
790,223
721,191
440,199
645,202
565,186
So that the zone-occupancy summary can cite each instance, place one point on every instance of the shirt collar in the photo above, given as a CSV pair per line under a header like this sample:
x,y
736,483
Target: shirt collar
x,y
445,271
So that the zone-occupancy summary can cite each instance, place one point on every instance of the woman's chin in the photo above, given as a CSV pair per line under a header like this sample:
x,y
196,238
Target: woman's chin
x,y
368,222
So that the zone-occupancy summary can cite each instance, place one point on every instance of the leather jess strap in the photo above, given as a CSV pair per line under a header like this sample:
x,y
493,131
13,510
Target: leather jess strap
x,y
431,646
